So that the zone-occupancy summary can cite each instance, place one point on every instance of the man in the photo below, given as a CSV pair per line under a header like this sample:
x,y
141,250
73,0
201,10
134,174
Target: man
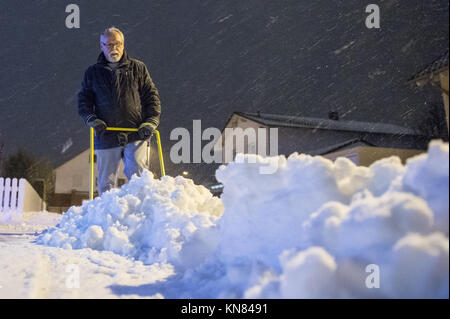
x,y
118,91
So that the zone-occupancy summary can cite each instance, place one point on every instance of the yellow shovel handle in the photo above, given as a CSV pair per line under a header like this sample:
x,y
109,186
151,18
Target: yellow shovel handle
x,y
123,129
91,179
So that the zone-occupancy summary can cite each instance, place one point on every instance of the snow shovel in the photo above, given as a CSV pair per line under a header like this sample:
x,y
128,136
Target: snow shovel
x,y
122,129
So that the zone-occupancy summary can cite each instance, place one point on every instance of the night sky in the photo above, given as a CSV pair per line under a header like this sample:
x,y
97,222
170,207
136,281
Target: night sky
x,y
210,58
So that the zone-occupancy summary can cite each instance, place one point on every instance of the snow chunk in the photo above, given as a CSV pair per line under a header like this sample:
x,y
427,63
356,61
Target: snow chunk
x,y
147,219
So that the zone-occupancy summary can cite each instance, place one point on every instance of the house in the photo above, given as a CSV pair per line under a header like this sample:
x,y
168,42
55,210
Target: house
x,y
361,142
317,136
435,74
72,182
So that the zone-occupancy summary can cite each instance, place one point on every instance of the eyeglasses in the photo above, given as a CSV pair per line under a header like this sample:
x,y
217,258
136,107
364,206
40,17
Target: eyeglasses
x,y
112,45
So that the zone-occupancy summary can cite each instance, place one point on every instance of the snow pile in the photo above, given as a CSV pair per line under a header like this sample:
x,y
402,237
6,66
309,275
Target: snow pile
x,y
312,229
323,223
147,219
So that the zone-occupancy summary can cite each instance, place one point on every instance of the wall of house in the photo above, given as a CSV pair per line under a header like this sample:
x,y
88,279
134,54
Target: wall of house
x,y
352,154
74,175
366,155
243,123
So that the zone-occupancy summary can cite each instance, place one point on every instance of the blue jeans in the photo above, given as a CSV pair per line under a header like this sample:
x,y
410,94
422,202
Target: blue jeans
x,y
108,160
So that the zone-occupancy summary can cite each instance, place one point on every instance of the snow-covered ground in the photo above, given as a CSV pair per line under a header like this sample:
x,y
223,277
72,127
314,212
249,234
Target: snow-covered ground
x,y
28,270
312,229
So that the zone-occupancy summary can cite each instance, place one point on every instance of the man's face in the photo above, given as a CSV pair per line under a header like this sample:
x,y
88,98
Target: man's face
x,y
112,47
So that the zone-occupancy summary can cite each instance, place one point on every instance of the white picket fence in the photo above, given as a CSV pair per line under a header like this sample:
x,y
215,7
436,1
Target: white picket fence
x,y
18,196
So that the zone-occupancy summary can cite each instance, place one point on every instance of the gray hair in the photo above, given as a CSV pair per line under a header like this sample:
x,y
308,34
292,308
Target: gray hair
x,y
112,30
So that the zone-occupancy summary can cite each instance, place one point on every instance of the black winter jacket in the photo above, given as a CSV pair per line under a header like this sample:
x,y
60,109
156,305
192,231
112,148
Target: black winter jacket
x,y
126,97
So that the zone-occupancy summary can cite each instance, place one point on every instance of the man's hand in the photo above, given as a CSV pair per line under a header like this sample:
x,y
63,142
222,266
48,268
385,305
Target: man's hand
x,y
146,130
99,126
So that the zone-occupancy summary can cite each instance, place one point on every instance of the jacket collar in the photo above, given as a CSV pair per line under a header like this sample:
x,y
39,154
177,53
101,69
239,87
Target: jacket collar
x,y
122,62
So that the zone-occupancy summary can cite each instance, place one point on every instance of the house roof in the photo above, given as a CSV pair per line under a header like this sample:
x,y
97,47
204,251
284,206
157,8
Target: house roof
x,y
343,145
71,159
437,66
326,124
